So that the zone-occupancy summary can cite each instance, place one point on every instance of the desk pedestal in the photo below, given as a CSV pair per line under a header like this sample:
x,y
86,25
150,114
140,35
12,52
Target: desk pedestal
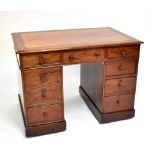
x,y
105,118
38,130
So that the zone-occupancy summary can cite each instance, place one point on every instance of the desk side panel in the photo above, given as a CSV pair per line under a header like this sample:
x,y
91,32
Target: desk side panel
x,y
21,94
91,81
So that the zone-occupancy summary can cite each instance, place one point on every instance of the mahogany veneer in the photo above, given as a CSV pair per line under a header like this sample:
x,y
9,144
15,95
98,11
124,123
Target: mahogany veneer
x,y
109,62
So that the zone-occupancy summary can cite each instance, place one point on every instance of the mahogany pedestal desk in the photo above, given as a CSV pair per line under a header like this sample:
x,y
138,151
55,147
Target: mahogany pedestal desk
x,y
109,62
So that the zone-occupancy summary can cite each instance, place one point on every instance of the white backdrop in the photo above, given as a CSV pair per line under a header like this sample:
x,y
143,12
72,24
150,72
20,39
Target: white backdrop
x,y
84,135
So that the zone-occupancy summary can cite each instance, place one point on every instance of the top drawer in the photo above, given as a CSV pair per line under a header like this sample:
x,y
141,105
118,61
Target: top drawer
x,y
123,52
42,76
83,56
33,60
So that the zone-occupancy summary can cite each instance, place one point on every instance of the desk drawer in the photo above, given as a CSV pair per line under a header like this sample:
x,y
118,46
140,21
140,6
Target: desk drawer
x,y
120,68
118,103
33,60
123,52
44,76
84,56
45,114
121,85
44,95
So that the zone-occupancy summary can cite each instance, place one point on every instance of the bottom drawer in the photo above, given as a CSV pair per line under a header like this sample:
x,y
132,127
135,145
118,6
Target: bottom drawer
x,y
118,103
45,114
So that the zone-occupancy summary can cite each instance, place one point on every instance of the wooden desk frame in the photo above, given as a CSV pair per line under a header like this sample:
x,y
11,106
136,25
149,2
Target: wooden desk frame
x,y
109,65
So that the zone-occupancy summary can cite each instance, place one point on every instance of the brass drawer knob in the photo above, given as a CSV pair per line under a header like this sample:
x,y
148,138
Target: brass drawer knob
x,y
118,101
121,67
45,114
97,54
120,83
42,60
71,57
43,94
43,77
123,53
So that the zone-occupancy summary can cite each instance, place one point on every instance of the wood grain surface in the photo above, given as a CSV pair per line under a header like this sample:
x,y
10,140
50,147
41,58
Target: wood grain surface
x,y
70,39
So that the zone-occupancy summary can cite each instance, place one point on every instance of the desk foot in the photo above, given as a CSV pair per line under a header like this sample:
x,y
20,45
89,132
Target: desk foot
x,y
43,129
105,117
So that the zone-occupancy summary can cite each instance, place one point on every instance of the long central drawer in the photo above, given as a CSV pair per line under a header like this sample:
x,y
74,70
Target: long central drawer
x,y
83,56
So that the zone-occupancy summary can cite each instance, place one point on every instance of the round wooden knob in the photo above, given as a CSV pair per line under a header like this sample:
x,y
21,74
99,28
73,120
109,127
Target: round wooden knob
x,y
71,57
97,54
45,114
118,101
120,83
41,60
120,67
44,93
123,53
43,77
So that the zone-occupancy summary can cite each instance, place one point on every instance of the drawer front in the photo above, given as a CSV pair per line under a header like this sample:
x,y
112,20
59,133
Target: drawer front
x,y
83,56
120,68
44,95
45,114
118,103
120,85
33,60
38,77
123,52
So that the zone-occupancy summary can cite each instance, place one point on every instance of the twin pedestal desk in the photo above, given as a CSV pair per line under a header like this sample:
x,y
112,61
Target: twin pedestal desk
x,y
109,62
